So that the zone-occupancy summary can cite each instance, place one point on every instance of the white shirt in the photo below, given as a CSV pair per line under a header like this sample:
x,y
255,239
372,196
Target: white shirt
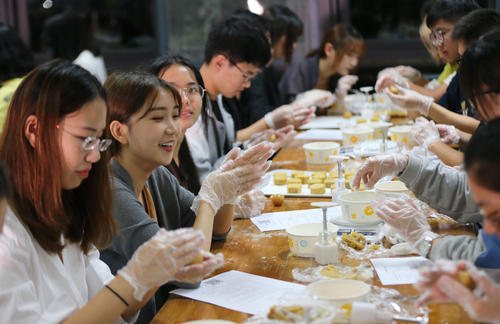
x,y
36,287
94,64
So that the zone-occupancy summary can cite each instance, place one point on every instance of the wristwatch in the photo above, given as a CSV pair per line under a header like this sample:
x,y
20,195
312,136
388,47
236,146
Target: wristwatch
x,y
424,244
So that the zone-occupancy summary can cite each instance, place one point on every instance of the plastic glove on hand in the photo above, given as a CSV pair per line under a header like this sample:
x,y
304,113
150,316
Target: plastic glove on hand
x,y
193,273
283,137
255,155
345,84
409,72
377,167
389,79
225,187
425,132
157,261
448,134
315,97
429,276
411,100
250,204
404,215
482,308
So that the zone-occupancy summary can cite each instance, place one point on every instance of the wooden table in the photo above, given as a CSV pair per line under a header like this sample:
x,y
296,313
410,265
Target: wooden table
x,y
267,254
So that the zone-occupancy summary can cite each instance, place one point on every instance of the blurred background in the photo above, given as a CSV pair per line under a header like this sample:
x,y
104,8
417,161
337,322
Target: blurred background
x,y
132,32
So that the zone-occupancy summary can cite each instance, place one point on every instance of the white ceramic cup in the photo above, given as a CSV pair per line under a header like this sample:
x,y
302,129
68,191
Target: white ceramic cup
x,y
357,135
320,152
356,207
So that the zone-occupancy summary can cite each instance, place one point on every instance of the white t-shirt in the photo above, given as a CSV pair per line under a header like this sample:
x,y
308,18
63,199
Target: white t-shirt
x,y
36,287
94,64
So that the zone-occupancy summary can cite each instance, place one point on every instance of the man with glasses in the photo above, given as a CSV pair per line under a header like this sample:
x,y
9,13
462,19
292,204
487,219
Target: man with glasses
x,y
235,52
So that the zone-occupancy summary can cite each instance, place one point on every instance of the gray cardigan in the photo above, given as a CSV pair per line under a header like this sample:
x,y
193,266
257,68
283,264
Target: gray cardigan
x,y
447,190
173,210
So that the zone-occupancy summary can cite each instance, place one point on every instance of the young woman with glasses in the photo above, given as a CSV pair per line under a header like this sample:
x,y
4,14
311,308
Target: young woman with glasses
x,y
54,145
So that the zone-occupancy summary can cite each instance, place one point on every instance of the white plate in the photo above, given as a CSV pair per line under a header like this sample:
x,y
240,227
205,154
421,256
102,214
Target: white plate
x,y
269,188
329,122
341,221
371,148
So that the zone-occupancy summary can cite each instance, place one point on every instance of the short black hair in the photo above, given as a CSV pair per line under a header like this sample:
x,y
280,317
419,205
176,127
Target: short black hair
x,y
16,59
284,22
238,38
4,183
449,10
480,65
68,34
482,156
474,24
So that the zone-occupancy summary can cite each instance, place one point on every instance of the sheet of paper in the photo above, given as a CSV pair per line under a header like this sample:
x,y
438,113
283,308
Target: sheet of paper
x,y
399,271
242,292
320,134
282,220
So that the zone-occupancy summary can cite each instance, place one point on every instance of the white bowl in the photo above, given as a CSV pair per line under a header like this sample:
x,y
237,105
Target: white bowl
x,y
356,207
391,189
319,152
302,237
401,134
339,291
378,127
356,135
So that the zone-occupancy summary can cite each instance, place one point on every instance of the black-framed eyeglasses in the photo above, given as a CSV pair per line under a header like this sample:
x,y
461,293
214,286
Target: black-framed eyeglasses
x,y
90,143
246,76
437,37
192,92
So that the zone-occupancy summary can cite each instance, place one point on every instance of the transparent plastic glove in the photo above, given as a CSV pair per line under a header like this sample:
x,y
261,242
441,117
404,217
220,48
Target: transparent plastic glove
x,y
403,214
158,260
283,136
278,138
411,100
386,80
377,167
345,84
483,308
250,204
224,187
448,134
285,115
315,97
255,155
195,272
429,276
425,132
409,72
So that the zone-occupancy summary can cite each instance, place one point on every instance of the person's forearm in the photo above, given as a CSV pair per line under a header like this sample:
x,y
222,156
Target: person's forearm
x,y
464,137
447,154
245,133
205,222
442,115
105,307
434,93
223,219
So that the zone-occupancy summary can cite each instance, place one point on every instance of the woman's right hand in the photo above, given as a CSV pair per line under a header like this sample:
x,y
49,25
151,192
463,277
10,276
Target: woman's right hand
x,y
160,259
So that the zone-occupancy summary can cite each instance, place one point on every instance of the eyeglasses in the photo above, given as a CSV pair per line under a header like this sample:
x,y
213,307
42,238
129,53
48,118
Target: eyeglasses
x,y
473,99
247,77
193,92
90,143
437,37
